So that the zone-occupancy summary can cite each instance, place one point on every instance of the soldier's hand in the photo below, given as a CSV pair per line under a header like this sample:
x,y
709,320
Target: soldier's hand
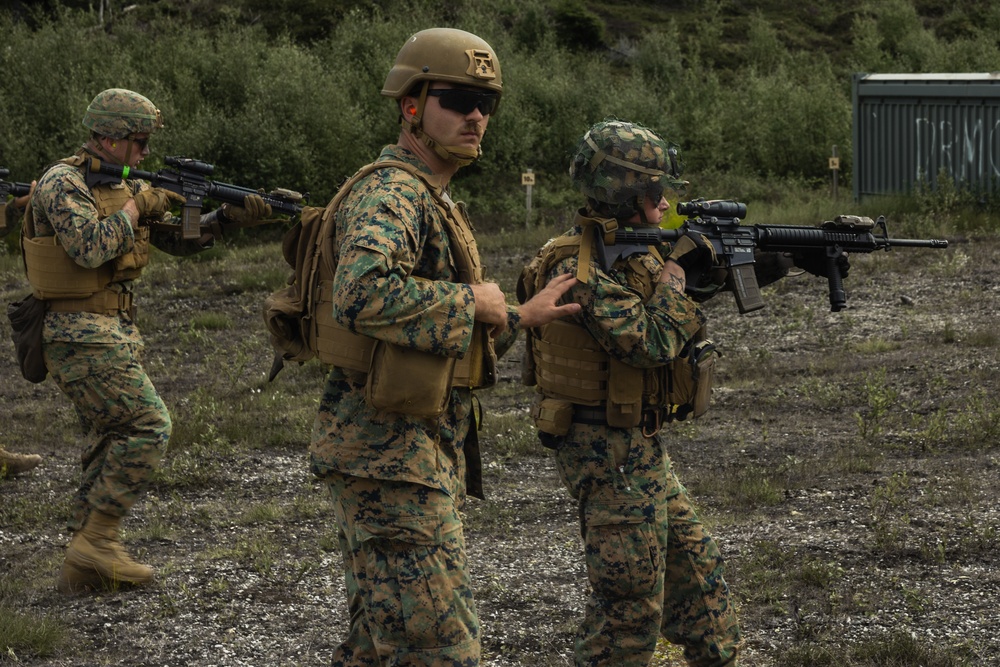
x,y
491,306
254,208
544,306
816,263
708,285
151,204
694,253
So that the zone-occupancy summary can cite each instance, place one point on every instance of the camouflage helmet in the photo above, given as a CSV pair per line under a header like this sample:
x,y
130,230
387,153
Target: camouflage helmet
x,y
119,113
618,164
443,54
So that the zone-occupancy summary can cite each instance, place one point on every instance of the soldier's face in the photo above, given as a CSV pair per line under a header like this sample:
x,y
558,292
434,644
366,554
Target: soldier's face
x,y
451,127
130,150
653,209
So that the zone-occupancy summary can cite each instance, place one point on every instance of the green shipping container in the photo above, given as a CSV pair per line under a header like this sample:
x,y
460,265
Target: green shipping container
x,y
910,128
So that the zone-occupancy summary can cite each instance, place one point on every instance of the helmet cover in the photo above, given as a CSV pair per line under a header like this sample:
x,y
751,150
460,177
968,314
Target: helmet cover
x,y
119,113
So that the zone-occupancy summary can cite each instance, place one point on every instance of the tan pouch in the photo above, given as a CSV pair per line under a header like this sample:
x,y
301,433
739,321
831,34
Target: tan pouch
x,y
409,381
624,409
689,379
552,415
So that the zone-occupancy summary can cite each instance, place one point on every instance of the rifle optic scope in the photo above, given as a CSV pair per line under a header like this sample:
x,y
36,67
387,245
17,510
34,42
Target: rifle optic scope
x,y
717,208
189,164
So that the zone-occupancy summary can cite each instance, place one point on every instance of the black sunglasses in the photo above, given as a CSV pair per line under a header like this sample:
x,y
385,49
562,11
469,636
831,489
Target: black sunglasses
x,y
464,101
141,143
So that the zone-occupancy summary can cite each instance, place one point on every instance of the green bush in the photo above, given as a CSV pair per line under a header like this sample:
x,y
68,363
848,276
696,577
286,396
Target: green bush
x,y
295,102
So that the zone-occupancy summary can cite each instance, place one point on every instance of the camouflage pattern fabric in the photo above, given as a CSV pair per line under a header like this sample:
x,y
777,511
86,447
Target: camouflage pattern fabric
x,y
118,113
395,282
653,569
125,422
640,331
408,587
94,358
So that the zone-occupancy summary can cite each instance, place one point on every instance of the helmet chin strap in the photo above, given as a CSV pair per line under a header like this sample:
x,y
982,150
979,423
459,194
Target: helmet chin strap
x,y
460,156
103,151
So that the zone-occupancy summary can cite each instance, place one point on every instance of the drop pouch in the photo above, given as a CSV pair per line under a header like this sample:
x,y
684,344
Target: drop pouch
x,y
26,319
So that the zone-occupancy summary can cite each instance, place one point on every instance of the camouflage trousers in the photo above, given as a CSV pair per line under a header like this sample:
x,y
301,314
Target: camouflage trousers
x,y
409,592
654,570
126,424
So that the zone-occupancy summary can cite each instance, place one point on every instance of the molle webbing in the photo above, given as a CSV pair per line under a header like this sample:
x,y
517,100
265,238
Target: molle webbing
x,y
54,275
569,364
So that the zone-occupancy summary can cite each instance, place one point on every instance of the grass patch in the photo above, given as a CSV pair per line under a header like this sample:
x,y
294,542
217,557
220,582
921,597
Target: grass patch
x,y
28,635
887,649
509,435
211,321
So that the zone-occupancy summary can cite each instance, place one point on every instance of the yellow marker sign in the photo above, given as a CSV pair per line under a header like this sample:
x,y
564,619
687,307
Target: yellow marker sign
x,y
835,163
527,178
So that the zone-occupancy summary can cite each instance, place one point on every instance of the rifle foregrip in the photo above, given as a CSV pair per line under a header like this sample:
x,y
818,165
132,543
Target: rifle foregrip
x,y
743,282
838,295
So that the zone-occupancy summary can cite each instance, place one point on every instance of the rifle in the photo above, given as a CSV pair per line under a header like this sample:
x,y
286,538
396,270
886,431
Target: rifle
x,y
719,221
11,188
188,179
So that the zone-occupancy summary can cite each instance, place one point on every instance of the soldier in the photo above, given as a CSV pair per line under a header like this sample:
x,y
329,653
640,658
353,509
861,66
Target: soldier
x,y
84,246
653,569
419,329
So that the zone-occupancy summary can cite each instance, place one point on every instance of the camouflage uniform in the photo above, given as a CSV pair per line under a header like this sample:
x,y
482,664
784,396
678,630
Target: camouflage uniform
x,y
95,358
653,569
399,482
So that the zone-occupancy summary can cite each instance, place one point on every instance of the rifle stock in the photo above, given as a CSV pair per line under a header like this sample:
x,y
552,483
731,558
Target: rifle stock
x,y
720,222
187,177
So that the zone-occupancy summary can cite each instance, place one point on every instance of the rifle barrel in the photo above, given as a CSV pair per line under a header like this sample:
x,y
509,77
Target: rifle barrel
x,y
919,243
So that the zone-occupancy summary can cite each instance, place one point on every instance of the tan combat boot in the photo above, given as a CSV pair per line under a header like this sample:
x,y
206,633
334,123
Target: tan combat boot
x,y
96,558
14,464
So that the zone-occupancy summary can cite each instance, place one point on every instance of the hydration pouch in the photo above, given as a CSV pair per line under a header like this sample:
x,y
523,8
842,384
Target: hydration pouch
x,y
409,381
552,415
689,380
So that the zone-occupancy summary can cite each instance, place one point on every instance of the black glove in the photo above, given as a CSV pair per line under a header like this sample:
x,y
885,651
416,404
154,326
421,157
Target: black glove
x,y
708,285
815,263
695,254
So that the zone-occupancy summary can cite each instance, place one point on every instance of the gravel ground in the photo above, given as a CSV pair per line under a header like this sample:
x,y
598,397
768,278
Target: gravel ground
x,y
837,543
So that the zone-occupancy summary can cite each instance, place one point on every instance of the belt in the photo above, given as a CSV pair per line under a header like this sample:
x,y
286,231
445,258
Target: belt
x,y
104,302
587,414
598,416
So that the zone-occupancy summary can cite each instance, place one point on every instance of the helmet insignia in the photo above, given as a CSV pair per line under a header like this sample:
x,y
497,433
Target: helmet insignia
x,y
481,64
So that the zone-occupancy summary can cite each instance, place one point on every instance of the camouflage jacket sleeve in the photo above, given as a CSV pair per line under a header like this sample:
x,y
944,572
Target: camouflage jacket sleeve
x,y
506,339
62,205
640,332
394,278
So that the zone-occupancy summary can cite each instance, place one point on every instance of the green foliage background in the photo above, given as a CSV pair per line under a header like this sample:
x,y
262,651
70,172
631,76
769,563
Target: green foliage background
x,y
286,94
